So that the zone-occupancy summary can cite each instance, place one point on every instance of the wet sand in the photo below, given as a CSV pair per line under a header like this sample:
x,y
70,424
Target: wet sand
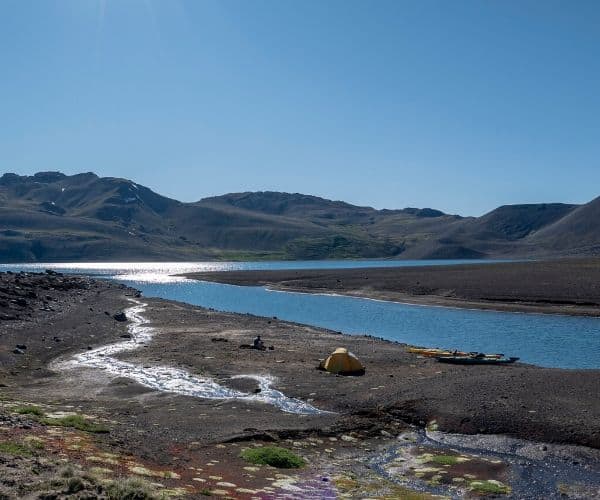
x,y
175,432
567,286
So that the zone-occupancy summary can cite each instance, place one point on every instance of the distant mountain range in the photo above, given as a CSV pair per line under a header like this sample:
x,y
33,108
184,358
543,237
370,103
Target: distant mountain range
x,y
54,217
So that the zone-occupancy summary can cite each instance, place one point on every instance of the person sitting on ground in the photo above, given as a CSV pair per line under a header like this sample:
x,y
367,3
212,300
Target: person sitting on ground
x,y
258,343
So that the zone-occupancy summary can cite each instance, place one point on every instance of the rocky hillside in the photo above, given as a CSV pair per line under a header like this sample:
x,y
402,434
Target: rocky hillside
x,y
53,217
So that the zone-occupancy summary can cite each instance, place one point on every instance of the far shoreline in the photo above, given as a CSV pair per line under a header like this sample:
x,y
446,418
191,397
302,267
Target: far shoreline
x,y
560,287
432,301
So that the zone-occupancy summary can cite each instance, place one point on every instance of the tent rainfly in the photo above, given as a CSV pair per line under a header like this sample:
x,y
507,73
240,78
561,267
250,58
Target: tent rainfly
x,y
342,362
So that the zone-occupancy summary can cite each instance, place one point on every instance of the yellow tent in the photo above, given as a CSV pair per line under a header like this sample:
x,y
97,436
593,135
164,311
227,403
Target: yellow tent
x,y
343,362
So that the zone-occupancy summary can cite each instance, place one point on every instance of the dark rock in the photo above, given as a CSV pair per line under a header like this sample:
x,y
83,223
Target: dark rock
x,y
120,316
125,336
21,346
18,351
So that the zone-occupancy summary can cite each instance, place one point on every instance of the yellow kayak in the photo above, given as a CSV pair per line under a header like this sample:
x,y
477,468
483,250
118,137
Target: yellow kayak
x,y
435,352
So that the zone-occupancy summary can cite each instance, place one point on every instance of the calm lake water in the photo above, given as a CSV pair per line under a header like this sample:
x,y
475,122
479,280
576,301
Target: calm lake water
x,y
546,340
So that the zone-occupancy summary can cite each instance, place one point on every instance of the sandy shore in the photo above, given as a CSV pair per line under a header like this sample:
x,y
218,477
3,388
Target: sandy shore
x,y
553,287
201,438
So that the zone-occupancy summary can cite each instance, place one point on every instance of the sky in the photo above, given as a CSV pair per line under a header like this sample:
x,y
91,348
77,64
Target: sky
x,y
457,105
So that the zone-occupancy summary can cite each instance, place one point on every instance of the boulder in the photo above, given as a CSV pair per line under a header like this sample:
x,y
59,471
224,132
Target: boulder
x,y
120,316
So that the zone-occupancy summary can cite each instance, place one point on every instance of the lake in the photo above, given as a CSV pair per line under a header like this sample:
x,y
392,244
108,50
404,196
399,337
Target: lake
x,y
545,340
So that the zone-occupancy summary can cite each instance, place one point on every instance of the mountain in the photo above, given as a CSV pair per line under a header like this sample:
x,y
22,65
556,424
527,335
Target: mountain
x,y
54,217
507,231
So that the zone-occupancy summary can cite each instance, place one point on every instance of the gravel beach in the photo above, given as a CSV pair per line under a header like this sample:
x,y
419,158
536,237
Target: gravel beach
x,y
399,390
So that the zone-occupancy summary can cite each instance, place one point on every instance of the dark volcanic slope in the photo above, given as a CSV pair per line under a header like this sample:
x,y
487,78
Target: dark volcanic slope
x,y
54,217
564,286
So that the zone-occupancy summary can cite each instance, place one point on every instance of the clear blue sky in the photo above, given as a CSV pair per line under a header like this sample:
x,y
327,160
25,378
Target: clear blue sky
x,y
457,105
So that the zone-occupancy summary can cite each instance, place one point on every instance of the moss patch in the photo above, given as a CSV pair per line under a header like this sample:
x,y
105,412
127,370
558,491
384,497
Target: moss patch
x,y
15,449
274,456
76,422
350,487
445,459
489,487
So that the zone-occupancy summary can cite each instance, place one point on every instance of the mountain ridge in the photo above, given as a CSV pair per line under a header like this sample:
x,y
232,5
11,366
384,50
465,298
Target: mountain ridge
x,y
50,216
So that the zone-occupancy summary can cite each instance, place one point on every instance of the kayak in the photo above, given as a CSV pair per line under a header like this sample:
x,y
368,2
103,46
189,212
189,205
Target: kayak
x,y
420,350
435,352
472,360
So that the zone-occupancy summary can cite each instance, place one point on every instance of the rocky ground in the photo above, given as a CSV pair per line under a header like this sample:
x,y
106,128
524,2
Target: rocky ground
x,y
568,286
81,432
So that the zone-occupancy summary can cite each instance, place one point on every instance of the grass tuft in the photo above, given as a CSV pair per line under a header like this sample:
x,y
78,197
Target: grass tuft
x,y
76,422
130,489
29,410
15,449
75,485
274,456
35,443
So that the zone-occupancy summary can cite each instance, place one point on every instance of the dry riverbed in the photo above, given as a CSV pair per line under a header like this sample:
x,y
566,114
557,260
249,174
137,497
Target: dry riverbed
x,y
116,428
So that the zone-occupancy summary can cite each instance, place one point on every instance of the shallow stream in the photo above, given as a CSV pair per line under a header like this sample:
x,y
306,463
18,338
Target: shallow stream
x,y
167,379
453,464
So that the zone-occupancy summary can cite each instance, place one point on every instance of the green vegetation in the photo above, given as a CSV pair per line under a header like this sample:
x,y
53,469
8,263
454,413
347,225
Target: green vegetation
x,y
15,449
67,471
130,489
29,410
489,487
274,456
236,256
341,247
75,485
76,422
444,459
35,443
350,487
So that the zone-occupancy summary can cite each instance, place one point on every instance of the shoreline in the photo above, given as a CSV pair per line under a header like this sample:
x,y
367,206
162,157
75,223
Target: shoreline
x,y
431,301
563,287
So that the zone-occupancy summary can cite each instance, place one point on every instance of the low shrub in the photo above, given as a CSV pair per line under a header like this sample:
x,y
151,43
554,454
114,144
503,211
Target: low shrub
x,y
274,456
75,485
130,489
29,410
